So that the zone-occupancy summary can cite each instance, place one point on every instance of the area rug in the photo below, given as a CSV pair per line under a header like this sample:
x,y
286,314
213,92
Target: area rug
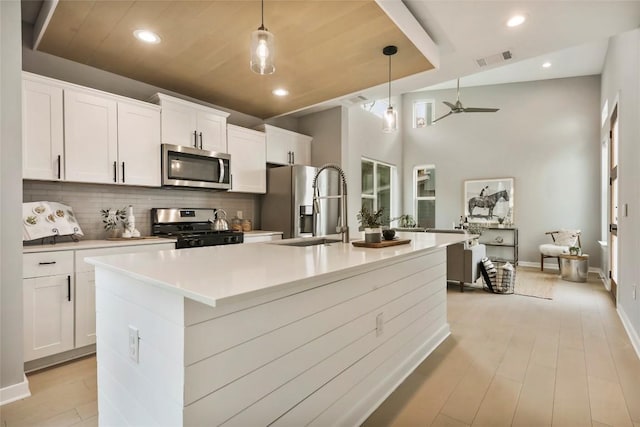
x,y
532,283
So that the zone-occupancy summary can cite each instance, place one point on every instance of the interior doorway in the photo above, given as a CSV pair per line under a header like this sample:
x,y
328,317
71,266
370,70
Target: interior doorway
x,y
613,203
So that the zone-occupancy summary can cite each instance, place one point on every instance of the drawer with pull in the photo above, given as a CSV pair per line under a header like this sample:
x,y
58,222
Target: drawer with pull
x,y
42,264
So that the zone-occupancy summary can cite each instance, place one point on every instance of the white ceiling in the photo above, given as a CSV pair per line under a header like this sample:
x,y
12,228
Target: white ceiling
x,y
572,35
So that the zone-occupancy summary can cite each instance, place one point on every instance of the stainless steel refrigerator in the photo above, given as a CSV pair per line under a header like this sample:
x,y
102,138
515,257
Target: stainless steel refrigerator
x,y
288,204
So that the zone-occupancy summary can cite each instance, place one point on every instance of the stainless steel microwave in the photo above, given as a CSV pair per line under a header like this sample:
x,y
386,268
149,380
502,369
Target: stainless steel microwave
x,y
191,167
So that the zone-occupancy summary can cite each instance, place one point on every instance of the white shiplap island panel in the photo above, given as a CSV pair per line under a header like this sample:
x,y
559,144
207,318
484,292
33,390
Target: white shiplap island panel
x,y
265,333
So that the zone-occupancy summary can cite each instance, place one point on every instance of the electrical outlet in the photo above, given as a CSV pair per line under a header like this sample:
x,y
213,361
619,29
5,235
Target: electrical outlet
x,y
239,214
134,344
379,324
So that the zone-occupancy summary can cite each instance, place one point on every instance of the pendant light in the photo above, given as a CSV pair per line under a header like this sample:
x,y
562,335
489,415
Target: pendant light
x,y
262,49
390,118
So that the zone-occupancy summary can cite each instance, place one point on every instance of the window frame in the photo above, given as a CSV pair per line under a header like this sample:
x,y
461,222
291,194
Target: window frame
x,y
374,196
416,198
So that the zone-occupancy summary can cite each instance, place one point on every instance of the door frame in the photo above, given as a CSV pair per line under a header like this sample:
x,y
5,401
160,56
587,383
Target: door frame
x,y
613,208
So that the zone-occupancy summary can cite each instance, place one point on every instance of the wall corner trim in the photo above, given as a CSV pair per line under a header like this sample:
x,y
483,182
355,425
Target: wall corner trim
x,y
15,392
631,332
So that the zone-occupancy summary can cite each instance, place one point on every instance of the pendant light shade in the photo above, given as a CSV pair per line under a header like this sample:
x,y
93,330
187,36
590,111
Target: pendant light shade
x,y
262,49
390,119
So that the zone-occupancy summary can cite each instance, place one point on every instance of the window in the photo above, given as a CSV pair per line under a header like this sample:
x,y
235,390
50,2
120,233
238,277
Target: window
x,y
424,194
376,107
423,113
376,186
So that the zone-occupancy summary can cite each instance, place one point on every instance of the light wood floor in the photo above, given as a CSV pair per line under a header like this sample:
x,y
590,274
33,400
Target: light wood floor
x,y
510,360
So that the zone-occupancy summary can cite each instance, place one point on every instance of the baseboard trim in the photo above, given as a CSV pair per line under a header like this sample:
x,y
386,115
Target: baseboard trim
x,y
15,392
554,266
631,332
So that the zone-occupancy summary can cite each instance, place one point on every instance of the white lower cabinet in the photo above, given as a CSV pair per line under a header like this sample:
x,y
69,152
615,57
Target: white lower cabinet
x,y
48,295
60,298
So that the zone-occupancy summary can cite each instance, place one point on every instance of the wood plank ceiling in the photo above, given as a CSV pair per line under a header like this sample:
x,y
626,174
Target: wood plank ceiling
x,y
324,49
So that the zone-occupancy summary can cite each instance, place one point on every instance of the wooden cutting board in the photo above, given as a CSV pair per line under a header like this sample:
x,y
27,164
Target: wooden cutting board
x,y
382,244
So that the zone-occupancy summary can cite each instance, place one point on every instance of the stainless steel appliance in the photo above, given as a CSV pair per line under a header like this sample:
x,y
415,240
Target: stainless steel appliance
x,y
288,204
191,227
192,167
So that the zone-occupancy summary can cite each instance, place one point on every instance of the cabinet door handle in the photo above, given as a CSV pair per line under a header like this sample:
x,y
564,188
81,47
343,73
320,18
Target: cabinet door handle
x,y
201,140
46,262
195,139
293,157
123,172
68,288
59,166
289,157
115,171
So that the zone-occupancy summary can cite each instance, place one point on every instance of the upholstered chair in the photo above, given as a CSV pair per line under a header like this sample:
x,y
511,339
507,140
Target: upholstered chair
x,y
562,241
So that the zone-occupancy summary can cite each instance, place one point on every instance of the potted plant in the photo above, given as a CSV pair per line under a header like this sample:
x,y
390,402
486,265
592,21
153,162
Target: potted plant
x,y
574,250
406,221
111,218
371,221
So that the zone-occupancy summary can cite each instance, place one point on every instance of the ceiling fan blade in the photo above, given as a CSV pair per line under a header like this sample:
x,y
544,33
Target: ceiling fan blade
x,y
480,110
442,117
448,104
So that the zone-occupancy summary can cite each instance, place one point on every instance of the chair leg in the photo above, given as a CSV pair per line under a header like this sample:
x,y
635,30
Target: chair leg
x,y
461,286
559,265
541,262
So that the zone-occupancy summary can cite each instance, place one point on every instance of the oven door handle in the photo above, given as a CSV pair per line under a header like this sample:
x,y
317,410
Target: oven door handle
x,y
221,163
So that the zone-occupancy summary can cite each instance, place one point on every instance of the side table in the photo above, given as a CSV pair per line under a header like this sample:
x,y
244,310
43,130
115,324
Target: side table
x,y
574,268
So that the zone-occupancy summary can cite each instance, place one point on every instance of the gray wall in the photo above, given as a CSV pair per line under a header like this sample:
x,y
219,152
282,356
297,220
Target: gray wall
x,y
546,136
11,367
326,128
620,84
87,200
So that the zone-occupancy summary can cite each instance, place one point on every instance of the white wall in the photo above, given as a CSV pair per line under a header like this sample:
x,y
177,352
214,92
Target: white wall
x,y
11,364
546,136
366,139
620,84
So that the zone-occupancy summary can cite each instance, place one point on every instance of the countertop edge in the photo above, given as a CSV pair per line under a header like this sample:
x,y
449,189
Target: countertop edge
x,y
92,244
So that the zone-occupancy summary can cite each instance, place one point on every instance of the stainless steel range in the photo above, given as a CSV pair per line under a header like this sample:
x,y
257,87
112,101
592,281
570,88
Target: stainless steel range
x,y
191,227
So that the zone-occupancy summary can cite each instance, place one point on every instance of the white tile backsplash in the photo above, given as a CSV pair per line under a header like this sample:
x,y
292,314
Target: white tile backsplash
x,y
87,200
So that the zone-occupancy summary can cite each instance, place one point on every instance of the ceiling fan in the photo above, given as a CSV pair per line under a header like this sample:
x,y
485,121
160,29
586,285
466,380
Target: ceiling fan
x,y
458,108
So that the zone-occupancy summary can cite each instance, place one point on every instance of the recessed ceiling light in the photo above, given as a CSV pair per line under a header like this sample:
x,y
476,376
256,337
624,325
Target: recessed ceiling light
x,y
280,92
515,20
147,36
546,65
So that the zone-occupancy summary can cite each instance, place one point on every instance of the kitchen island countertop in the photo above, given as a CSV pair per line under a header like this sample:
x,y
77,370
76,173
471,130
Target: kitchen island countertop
x,y
214,274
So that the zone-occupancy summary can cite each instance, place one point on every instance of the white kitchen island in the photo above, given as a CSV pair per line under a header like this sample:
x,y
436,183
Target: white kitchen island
x,y
262,334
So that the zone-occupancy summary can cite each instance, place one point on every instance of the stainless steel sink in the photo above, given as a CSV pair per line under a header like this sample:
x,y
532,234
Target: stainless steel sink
x,y
309,241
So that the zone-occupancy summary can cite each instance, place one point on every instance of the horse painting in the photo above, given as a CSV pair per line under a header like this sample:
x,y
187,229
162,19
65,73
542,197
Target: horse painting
x,y
489,201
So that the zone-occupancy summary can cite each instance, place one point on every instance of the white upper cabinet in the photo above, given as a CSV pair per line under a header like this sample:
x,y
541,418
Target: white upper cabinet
x,y
79,134
248,160
139,144
193,125
285,147
91,137
42,131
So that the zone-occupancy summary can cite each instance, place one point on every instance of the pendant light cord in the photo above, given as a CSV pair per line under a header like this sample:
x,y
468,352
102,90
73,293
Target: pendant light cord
x,y
262,15
389,80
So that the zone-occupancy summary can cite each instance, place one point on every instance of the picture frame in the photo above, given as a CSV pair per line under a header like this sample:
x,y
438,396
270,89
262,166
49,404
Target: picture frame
x,y
489,201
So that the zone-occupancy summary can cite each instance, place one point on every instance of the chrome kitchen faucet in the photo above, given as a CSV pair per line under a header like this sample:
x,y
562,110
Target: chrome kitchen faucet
x,y
343,228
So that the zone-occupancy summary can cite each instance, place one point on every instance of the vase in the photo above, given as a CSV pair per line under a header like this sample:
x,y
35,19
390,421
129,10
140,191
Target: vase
x,y
112,234
373,235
